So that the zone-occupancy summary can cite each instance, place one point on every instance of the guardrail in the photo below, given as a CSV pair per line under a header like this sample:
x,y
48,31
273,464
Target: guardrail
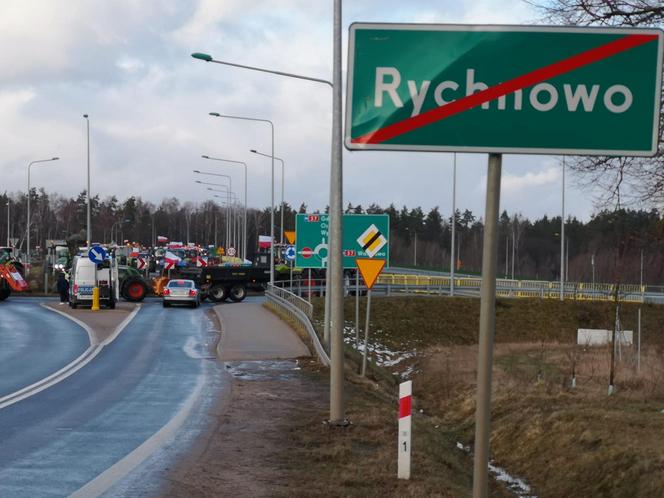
x,y
300,310
395,283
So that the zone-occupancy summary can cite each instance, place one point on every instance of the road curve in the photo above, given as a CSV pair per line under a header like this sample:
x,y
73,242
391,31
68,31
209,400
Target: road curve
x,y
69,435
34,343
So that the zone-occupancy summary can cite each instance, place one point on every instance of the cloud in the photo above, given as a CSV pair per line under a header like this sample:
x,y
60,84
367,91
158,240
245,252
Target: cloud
x,y
127,64
520,183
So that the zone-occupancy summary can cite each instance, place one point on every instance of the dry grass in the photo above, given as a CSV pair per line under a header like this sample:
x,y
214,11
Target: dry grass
x,y
360,460
564,442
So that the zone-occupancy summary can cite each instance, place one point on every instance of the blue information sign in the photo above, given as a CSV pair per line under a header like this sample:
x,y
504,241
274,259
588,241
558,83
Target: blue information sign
x,y
97,254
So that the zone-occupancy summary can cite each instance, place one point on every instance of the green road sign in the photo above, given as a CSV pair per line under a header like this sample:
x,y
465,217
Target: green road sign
x,y
364,236
544,90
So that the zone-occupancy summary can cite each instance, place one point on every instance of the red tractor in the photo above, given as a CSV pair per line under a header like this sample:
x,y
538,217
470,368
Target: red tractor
x,y
11,274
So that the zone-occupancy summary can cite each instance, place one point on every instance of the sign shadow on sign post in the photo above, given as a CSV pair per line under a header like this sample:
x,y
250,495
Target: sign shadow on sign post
x,y
502,89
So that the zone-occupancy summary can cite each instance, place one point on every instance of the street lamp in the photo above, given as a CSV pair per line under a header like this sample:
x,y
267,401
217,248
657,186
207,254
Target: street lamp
x,y
27,260
335,318
230,181
89,231
230,196
224,200
217,115
244,224
232,228
8,228
282,190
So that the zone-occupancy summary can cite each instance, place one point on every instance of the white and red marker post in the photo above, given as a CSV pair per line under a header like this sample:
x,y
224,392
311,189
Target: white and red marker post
x,y
405,410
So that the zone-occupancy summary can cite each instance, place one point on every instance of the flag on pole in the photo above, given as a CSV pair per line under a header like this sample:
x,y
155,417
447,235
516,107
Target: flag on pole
x,y
264,241
170,260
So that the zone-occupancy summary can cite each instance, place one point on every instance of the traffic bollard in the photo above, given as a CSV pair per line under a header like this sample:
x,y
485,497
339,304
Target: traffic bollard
x,y
95,299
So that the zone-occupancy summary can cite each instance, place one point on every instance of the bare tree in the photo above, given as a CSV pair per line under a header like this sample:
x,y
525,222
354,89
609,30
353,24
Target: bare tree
x,y
623,180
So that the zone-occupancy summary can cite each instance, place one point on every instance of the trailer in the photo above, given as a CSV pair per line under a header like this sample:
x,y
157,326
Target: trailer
x,y
219,283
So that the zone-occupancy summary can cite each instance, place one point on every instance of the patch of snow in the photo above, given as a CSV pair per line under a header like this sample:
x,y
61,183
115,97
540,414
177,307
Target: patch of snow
x,y
514,484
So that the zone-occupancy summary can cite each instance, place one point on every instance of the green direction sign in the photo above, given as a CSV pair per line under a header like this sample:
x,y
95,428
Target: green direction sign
x,y
544,90
364,236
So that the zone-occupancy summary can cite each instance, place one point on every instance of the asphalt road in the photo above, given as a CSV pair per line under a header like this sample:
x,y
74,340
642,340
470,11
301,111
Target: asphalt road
x,y
34,343
151,387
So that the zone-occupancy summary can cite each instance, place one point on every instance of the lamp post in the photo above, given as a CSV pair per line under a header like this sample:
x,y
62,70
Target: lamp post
x,y
244,118
8,227
87,192
335,266
228,193
230,182
281,239
27,260
227,201
244,223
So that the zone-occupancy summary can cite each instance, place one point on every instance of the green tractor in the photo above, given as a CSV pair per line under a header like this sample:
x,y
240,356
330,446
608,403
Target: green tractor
x,y
132,285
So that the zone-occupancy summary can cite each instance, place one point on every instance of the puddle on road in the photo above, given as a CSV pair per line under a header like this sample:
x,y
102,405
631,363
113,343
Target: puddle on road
x,y
263,369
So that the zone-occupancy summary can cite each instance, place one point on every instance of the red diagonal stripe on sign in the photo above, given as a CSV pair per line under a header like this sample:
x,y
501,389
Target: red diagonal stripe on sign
x,y
491,93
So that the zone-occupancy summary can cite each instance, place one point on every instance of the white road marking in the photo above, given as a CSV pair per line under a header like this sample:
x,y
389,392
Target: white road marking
x,y
73,367
104,481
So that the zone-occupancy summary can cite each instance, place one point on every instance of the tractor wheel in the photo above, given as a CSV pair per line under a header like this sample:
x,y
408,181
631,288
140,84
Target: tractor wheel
x,y
134,290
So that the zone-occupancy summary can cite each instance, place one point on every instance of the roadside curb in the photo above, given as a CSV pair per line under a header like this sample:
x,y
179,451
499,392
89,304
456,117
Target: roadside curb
x,y
73,367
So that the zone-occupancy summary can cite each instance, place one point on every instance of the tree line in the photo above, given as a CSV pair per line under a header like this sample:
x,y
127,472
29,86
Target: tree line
x,y
610,244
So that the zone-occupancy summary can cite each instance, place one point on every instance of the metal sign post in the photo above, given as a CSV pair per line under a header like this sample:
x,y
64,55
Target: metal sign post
x,y
487,328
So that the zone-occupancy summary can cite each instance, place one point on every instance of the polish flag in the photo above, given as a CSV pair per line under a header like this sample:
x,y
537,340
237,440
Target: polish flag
x,y
162,239
264,241
170,260
201,262
133,254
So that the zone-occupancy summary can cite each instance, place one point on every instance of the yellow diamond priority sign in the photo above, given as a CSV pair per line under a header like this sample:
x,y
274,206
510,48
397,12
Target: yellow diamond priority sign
x,y
371,240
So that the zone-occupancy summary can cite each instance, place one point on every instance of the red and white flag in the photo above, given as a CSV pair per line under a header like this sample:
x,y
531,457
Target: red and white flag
x,y
170,260
201,262
264,241
161,239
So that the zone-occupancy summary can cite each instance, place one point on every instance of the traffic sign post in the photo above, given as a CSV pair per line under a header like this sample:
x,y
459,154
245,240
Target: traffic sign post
x,y
502,89
290,236
369,269
364,235
290,256
97,255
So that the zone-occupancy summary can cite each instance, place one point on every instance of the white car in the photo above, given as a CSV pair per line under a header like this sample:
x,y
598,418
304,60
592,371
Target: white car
x,y
181,291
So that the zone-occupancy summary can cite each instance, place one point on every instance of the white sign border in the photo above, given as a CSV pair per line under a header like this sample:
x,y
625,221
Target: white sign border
x,y
504,150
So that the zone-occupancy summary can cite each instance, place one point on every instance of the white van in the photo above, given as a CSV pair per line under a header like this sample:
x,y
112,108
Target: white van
x,y
82,280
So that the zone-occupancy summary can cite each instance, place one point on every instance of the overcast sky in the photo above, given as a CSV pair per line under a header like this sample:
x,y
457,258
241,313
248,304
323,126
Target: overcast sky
x,y
127,64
